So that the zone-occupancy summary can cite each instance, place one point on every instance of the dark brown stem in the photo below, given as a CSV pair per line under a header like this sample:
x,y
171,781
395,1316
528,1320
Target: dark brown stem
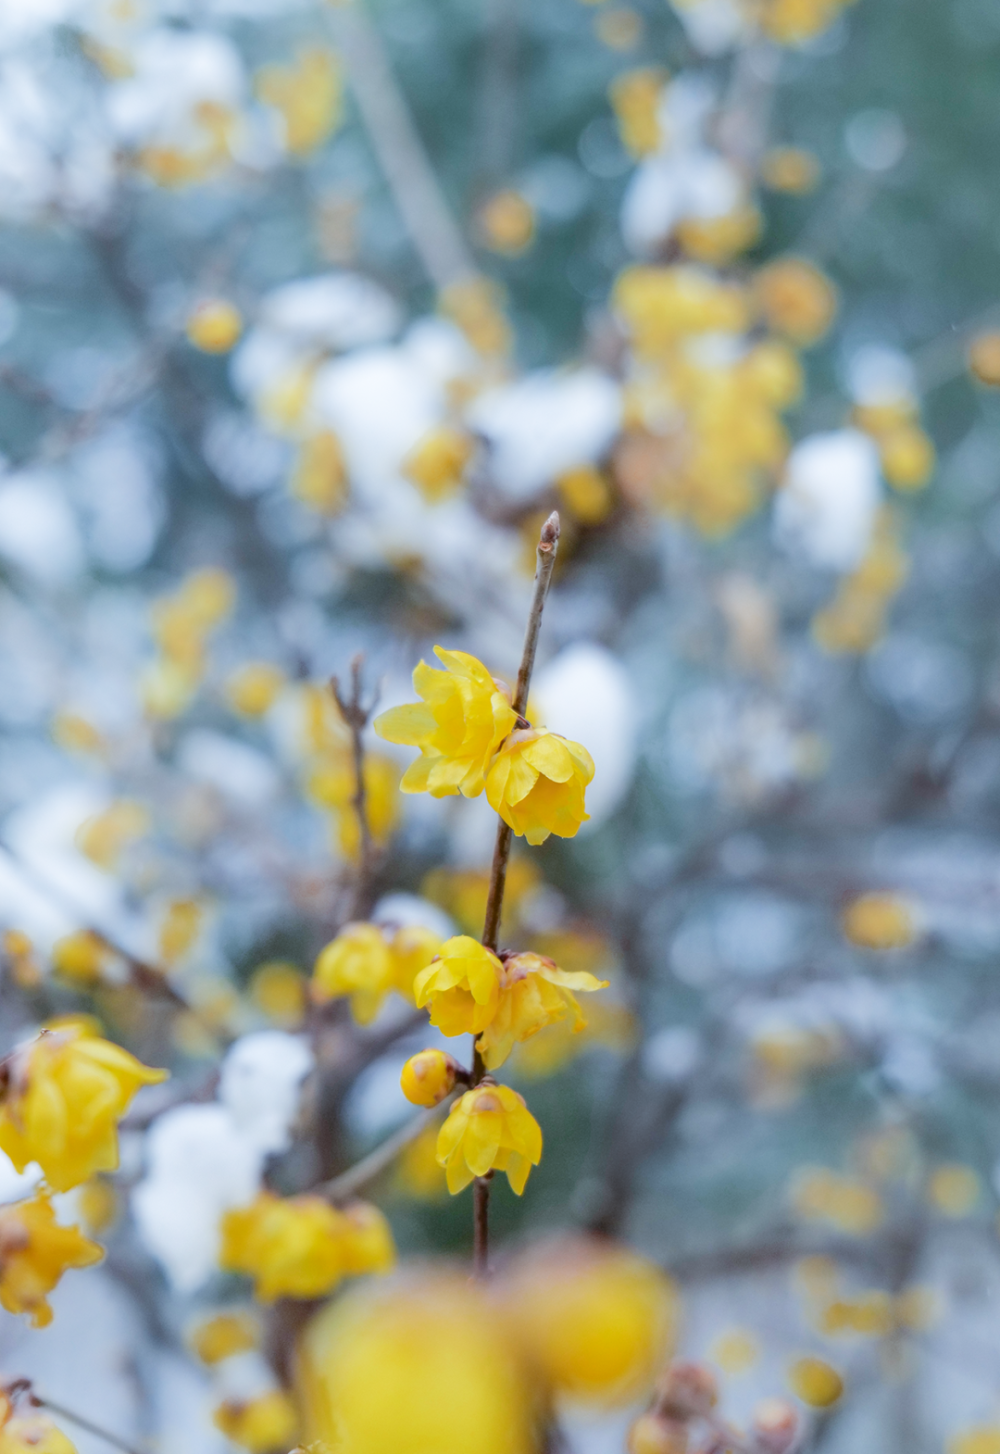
x,y
356,715
480,1226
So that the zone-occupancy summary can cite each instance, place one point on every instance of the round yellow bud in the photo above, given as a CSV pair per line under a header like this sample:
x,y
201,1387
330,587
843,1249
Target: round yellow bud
x,y
596,1319
879,921
429,1077
252,689
222,1336
214,326
507,222
907,458
796,299
984,359
653,1434
789,169
815,1382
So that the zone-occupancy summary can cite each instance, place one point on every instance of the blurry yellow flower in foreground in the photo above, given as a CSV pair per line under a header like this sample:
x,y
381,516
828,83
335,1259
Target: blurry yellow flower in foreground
x,y
259,1424
796,299
437,462
537,784
33,1433
35,1251
533,992
953,1190
254,688
319,479
815,1382
417,1365
490,1128
462,986
879,921
428,1077
507,222
81,958
302,1246
357,963
980,1439
463,721
309,96
63,1096
635,97
214,326
841,1201
279,991
225,1334
984,359
597,1320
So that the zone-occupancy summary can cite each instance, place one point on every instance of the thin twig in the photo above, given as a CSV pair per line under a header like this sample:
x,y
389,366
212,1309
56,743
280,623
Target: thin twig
x,y
341,1188
397,144
357,715
481,1226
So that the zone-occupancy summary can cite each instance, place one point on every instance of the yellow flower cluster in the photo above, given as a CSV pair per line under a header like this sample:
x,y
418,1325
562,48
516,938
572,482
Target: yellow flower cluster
x,y
465,729
704,439
855,619
308,96
367,961
635,97
35,1251
331,785
905,450
204,151
302,1246
489,1129
253,689
181,625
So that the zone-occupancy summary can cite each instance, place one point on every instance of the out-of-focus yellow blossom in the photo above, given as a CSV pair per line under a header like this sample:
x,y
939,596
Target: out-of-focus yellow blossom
x,y
659,306
735,1351
280,991
418,1173
428,1077
855,618
205,153
489,1129
619,28
74,733
476,306
252,689
225,1334
597,1320
412,947
816,1276
35,1251
879,921
815,1382
22,962
284,404
773,372
323,730
954,1190
654,1433
207,596
465,717
796,299
463,893
309,96
179,928
214,326
843,1202
319,479
918,1308
97,1205
608,1024
870,1315
332,785
790,169
462,986
980,1439
586,493
717,240
104,837
302,1246
507,222
537,784
635,97
181,623
267,1422
908,458
533,993
357,963
791,22
437,463
63,1096
33,1433
415,1363
81,958
984,359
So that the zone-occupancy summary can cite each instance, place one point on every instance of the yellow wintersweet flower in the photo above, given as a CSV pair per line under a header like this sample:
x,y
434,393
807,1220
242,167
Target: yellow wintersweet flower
x,y
319,478
290,1246
465,717
309,96
796,299
984,359
595,1319
332,784
462,986
214,326
35,1251
105,836
366,1242
253,688
879,921
357,963
33,1434
81,958
507,222
534,992
436,464
429,1077
279,990
954,1190
635,99
537,784
259,1424
979,1439
63,1096
225,1334
489,1129
815,1382
412,948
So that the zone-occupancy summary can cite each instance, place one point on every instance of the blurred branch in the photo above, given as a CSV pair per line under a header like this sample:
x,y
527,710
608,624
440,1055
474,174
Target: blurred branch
x,y
341,1188
403,157
498,111
357,715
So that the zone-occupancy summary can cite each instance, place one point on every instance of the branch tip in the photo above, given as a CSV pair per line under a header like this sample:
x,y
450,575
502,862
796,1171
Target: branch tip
x,y
550,532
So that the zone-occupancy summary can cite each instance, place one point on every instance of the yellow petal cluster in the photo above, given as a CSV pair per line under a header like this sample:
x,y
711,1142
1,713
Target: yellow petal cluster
x,y
489,1129
259,1424
417,1363
181,624
35,1251
841,1201
308,95
795,299
537,784
302,1246
635,98
437,462
463,720
461,985
33,1433
223,1335
64,1094
597,1320
367,961
104,837
879,921
815,1382
81,958
533,993
332,785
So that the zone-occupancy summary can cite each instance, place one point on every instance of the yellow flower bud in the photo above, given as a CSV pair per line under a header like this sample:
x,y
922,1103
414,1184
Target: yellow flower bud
x,y
290,1246
815,1382
597,1320
489,1129
35,1251
979,1439
507,222
267,1422
319,478
585,492
537,784
222,1336
357,963
214,326
428,1077
879,921
462,986
790,169
253,689
635,98
907,458
464,720
796,299
64,1094
953,1190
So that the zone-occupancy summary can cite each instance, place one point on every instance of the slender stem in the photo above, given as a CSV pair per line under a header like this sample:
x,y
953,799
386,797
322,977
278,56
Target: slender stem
x,y
342,1188
81,1422
356,716
480,1226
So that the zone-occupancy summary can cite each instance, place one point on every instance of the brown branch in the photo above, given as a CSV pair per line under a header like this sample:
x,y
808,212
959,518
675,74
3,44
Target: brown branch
x,y
356,715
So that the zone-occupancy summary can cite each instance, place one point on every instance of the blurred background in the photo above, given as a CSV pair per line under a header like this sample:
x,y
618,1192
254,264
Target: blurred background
x,y
309,315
